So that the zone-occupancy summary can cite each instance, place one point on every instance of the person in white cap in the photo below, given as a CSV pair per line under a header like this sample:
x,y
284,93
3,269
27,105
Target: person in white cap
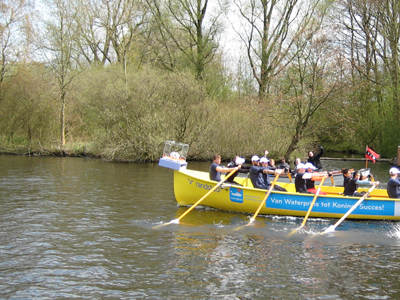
x,y
299,181
265,164
236,162
310,183
256,172
393,185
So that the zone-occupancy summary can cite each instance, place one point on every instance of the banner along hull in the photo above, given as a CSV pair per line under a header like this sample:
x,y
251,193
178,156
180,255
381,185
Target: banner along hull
x,y
190,186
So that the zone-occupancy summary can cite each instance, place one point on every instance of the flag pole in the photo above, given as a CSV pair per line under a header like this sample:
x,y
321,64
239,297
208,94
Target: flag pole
x,y
366,159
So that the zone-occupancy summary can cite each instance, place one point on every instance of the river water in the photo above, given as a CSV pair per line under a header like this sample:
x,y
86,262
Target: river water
x,y
72,228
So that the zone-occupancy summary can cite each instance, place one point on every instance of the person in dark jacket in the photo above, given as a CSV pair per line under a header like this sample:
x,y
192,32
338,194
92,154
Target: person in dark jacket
x,y
346,176
315,158
236,162
310,183
299,181
265,163
284,165
256,174
352,186
393,185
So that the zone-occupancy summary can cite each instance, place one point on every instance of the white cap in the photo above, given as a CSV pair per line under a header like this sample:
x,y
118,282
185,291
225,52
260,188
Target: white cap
x,y
264,160
309,166
240,161
393,171
255,158
301,166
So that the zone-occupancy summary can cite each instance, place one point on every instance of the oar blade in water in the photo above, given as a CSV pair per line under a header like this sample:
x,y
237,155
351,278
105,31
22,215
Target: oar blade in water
x,y
330,229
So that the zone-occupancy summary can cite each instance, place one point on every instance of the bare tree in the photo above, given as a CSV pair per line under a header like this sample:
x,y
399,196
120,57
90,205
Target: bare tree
x,y
58,46
13,18
109,30
188,28
389,18
270,29
312,84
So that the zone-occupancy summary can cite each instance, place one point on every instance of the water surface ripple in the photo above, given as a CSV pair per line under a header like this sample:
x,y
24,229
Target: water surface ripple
x,y
85,229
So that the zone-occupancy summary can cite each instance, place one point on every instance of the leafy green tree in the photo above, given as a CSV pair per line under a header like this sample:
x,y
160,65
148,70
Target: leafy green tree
x,y
26,108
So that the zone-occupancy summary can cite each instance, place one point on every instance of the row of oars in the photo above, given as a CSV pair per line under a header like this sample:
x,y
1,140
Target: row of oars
x,y
329,229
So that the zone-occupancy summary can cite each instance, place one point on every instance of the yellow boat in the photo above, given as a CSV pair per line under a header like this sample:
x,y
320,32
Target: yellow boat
x,y
191,185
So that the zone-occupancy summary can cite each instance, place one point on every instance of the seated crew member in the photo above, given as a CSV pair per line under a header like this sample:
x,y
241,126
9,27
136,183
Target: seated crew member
x,y
393,185
256,172
310,183
299,181
271,164
216,169
315,158
297,161
236,162
284,165
351,188
264,163
346,176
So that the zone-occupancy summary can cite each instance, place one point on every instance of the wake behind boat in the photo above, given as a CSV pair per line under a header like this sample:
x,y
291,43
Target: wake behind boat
x,y
191,185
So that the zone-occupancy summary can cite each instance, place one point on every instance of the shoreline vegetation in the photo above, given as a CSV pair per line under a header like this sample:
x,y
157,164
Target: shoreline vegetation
x,y
83,154
116,79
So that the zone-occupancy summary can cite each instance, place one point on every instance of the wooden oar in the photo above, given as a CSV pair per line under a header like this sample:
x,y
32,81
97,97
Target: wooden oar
x,y
290,177
264,200
176,221
311,206
339,171
332,180
332,227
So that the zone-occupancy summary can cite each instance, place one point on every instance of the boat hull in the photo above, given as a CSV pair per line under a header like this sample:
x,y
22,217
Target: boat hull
x,y
190,186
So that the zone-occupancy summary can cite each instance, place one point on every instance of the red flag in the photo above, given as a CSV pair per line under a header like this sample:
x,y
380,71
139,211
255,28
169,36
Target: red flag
x,y
371,155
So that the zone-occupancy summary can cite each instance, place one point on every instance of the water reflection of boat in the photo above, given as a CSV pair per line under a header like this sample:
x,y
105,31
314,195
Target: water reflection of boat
x,y
190,186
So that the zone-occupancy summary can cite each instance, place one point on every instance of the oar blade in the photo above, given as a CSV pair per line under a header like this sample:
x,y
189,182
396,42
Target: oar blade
x,y
251,221
161,225
330,229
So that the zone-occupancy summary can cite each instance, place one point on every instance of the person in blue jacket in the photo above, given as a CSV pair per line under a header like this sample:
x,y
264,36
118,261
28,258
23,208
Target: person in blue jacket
x,y
216,169
256,173
393,185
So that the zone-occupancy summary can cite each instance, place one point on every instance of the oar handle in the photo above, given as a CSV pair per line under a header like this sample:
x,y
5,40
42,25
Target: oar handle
x,y
208,193
265,198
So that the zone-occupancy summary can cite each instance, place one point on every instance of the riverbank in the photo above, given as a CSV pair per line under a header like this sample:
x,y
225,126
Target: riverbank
x,y
390,160
58,153
80,153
